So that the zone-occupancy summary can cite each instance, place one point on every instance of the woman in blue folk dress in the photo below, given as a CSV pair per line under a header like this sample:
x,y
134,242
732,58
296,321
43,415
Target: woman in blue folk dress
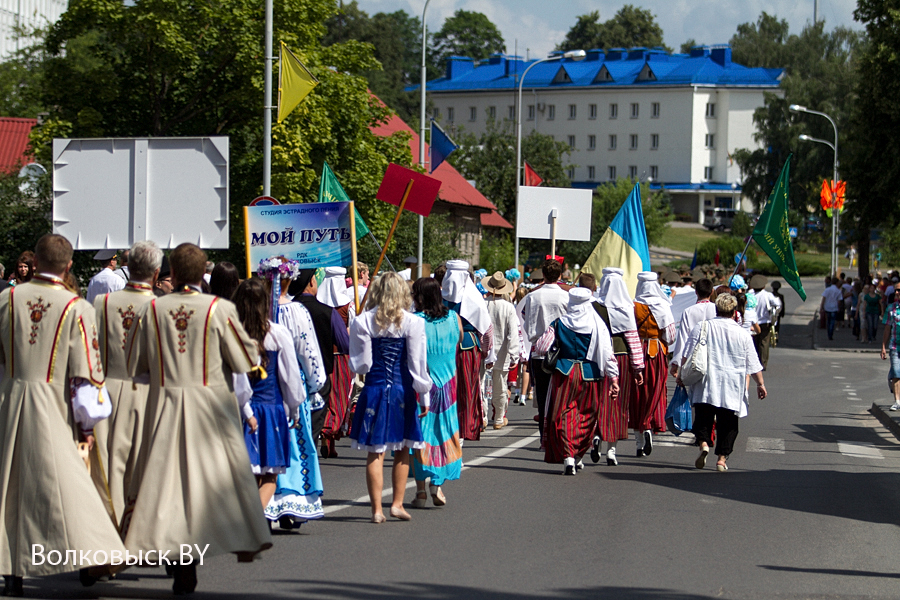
x,y
441,457
387,344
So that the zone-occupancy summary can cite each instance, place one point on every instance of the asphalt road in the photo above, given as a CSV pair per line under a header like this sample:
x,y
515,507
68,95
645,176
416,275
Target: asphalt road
x,y
808,509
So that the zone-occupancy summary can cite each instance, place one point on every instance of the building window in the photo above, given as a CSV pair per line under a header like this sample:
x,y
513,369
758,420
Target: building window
x,y
591,173
654,141
612,173
632,172
612,142
473,113
551,112
614,112
635,110
710,140
573,109
654,172
592,142
708,173
711,110
437,114
492,113
512,113
654,110
531,112
572,142
634,141
450,114
592,111
571,172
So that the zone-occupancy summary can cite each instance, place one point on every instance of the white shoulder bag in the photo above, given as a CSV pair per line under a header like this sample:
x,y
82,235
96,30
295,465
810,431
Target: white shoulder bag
x,y
695,368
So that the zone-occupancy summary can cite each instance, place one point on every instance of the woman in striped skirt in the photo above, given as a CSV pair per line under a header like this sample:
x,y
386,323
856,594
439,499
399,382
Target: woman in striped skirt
x,y
656,328
585,359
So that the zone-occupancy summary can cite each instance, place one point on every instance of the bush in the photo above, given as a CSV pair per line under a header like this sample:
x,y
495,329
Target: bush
x,y
741,226
727,246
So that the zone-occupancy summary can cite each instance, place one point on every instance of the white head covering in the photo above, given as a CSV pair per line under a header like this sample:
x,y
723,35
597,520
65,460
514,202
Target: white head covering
x,y
649,293
333,290
458,287
604,282
582,318
617,301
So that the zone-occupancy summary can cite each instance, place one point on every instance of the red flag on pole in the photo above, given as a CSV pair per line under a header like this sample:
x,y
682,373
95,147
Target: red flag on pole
x,y
531,178
717,257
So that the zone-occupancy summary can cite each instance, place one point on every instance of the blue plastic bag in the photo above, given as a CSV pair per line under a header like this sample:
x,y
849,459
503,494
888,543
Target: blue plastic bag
x,y
679,414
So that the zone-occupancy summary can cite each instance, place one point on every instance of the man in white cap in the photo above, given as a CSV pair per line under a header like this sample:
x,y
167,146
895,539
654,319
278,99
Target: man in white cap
x,y
106,281
506,341
462,297
656,327
333,292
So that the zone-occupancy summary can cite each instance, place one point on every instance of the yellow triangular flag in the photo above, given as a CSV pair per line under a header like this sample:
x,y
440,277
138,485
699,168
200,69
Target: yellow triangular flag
x,y
295,82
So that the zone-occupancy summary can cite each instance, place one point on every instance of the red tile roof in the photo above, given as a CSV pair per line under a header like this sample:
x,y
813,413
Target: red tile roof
x,y
455,189
14,142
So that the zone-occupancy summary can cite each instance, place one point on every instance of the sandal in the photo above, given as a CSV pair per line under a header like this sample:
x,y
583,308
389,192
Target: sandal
x,y
420,500
701,460
721,466
437,495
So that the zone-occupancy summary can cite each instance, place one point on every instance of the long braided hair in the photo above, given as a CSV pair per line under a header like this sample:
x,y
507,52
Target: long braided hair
x,y
251,299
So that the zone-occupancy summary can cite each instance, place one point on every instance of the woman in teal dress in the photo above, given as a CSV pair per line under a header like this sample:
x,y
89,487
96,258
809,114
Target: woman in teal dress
x,y
441,458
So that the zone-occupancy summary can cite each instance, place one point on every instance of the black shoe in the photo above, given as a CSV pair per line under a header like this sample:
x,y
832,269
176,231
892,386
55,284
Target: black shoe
x,y
86,579
595,450
286,522
570,470
639,453
185,579
648,443
13,587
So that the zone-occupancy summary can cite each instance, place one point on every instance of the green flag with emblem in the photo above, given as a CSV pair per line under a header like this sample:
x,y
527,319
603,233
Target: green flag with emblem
x,y
330,190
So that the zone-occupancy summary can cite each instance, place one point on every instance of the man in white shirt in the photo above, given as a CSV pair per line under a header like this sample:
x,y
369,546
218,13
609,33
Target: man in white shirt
x,y
106,281
764,306
545,304
703,310
831,298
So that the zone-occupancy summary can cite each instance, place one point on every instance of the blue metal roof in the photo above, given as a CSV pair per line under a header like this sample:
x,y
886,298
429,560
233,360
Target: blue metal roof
x,y
705,65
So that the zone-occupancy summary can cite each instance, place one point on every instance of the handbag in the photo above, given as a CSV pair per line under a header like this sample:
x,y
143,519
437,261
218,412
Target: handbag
x,y
679,413
550,359
695,368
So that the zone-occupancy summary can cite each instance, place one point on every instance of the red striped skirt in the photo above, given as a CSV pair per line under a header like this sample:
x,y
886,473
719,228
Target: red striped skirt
x,y
571,415
612,416
468,394
647,403
339,400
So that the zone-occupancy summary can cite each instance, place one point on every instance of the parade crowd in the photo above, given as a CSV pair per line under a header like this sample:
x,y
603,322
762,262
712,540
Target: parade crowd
x,y
180,412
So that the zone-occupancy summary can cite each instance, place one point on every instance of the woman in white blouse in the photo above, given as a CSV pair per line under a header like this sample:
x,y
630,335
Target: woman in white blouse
x,y
722,396
387,344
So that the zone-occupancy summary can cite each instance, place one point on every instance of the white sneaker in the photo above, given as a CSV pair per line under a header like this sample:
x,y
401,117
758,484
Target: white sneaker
x,y
895,406
579,465
611,457
570,466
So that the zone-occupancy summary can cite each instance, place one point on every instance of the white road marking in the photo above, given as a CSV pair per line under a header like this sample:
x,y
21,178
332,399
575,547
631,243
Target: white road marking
x,y
670,440
412,484
767,445
839,377
860,450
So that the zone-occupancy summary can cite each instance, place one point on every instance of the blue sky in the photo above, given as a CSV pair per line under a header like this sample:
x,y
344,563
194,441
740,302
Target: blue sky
x,y
540,24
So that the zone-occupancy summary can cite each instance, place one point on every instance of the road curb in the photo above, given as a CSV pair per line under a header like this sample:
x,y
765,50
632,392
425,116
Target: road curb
x,y
887,420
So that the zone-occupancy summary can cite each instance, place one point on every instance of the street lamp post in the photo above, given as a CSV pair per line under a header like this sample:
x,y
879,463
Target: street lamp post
x,y
419,251
576,55
835,214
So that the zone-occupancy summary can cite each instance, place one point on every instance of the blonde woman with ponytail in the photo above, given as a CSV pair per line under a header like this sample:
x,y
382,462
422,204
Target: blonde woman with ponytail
x,y
387,344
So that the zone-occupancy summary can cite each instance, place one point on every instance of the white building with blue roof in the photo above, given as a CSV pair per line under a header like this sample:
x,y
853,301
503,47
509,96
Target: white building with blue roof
x,y
673,118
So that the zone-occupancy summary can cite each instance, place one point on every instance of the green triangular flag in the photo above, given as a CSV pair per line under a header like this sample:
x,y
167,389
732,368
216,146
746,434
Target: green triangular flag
x,y
330,190
773,234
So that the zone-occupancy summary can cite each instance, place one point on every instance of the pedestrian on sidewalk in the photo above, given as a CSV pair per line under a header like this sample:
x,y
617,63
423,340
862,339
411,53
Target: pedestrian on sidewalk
x,y
831,303
889,344
872,301
721,397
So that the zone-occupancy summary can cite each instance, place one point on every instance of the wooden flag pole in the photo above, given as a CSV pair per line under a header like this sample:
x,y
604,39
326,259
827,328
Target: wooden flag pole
x,y
355,273
247,240
387,242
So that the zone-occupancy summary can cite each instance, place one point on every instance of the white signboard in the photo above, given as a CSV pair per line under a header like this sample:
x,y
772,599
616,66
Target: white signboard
x,y
573,213
110,193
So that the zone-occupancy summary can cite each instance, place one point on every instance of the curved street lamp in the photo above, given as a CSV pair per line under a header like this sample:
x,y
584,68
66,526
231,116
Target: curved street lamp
x,y
576,55
835,214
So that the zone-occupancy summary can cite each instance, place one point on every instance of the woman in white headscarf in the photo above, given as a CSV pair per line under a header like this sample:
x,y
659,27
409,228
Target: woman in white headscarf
x,y
656,328
333,292
585,360
462,297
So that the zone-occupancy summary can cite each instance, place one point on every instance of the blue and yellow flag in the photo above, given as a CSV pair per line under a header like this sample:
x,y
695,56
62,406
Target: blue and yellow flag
x,y
624,245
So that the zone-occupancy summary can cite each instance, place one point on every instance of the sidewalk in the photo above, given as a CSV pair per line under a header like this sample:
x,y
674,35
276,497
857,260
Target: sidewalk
x,y
889,419
843,341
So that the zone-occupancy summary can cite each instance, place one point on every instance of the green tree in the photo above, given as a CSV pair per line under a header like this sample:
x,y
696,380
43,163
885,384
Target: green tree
x,y
686,46
490,160
20,77
467,33
630,27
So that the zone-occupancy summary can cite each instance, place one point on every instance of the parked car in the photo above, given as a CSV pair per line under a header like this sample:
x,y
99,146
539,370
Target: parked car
x,y
721,218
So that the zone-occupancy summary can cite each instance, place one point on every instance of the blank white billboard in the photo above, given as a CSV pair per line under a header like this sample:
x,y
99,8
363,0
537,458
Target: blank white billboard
x,y
536,204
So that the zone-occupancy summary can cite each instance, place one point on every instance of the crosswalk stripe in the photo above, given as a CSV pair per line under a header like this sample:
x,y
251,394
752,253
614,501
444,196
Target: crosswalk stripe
x,y
860,450
768,445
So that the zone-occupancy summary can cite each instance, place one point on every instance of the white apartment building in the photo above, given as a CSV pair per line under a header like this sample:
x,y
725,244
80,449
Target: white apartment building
x,y
28,14
645,114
